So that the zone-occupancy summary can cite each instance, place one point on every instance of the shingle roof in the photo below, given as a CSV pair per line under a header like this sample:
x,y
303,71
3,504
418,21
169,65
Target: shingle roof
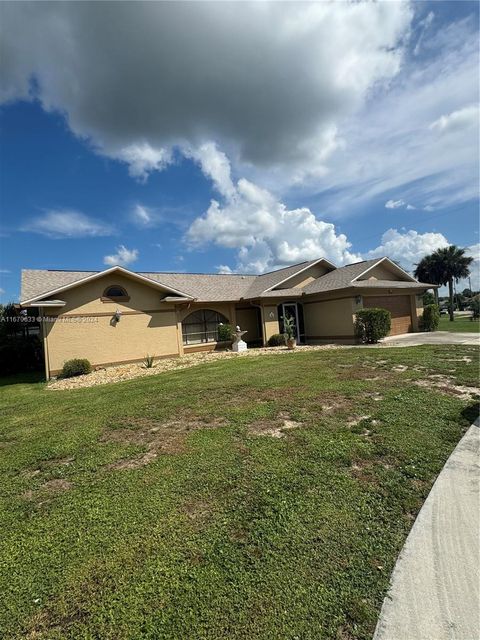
x,y
339,278
38,281
205,287
219,287
267,280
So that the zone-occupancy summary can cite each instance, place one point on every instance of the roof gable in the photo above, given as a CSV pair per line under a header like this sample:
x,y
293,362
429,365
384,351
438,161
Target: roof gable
x,y
67,280
383,269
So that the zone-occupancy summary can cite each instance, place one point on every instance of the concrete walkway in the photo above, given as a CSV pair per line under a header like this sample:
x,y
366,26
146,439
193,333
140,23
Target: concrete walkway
x,y
437,337
434,592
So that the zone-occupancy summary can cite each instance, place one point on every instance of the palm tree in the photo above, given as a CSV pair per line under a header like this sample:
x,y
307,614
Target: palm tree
x,y
453,265
428,270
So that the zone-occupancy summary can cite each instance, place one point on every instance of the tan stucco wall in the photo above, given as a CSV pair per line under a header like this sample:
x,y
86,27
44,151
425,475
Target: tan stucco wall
x,y
384,271
95,338
86,298
84,328
331,318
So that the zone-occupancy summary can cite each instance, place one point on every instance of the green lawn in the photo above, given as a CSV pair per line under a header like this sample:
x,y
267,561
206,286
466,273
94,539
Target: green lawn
x,y
165,508
460,324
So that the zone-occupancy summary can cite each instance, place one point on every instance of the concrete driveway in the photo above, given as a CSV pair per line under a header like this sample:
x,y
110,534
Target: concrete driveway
x,y
434,592
437,337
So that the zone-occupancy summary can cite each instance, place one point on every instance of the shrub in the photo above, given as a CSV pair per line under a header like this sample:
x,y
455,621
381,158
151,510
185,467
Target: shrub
x,y
277,340
371,325
430,317
225,333
428,298
148,362
76,367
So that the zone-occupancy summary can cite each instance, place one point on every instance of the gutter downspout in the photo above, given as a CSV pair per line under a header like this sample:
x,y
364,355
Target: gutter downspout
x,y
45,344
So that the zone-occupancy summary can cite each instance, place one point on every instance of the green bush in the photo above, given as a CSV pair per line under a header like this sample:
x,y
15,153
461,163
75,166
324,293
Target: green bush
x,y
76,367
277,340
430,317
225,333
371,325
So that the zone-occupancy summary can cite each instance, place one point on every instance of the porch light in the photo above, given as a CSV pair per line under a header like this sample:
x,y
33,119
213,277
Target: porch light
x,y
117,315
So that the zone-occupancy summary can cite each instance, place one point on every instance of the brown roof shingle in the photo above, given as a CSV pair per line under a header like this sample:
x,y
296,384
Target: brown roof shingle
x,y
219,287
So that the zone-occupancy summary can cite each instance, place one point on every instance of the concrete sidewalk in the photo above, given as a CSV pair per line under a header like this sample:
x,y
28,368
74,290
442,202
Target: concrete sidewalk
x,y
434,592
436,337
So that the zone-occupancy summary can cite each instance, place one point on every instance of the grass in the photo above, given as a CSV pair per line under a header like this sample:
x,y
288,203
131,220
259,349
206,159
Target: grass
x,y
164,507
460,324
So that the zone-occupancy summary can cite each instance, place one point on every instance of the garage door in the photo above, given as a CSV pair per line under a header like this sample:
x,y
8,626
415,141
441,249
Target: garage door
x,y
399,307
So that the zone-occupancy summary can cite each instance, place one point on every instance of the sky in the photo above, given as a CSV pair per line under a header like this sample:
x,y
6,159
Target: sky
x,y
235,136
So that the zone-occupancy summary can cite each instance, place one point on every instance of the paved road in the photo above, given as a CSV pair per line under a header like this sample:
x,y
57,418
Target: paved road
x,y
434,593
437,337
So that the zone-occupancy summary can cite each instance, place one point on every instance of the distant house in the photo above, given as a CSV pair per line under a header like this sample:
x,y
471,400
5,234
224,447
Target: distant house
x,y
118,316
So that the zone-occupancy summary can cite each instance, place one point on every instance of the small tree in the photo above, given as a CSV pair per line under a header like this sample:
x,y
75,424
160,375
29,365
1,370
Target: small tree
x,y
371,325
453,266
430,318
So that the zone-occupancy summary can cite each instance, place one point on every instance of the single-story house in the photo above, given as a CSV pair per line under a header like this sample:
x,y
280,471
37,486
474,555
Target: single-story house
x,y
119,316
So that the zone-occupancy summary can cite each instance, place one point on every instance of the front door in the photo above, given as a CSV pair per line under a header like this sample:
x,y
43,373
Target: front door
x,y
290,310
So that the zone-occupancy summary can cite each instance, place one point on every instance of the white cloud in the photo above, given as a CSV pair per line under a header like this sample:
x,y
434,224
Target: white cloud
x,y
394,204
67,224
224,269
474,251
123,257
215,165
264,231
465,118
143,159
407,247
410,207
2,291
389,143
142,215
268,82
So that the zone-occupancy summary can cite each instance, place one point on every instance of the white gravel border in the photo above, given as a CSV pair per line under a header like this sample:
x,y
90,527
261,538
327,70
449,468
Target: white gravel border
x,y
122,372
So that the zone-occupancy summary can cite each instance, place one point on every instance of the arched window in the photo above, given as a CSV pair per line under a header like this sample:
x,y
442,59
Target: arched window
x,y
115,293
202,326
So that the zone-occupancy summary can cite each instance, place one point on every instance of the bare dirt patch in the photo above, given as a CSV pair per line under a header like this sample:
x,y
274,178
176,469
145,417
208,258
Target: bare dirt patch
x,y
198,512
155,436
48,489
447,385
354,420
274,428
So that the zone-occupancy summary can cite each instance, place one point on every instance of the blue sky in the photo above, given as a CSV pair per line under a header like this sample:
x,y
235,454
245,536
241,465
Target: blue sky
x,y
245,138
